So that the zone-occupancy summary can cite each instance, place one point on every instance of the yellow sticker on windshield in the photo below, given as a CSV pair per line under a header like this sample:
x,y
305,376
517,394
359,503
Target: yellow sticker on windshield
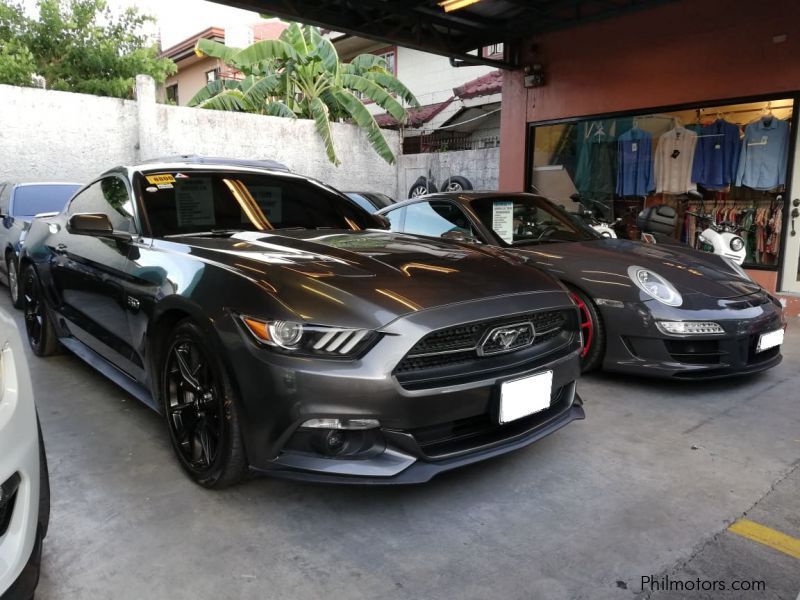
x,y
163,178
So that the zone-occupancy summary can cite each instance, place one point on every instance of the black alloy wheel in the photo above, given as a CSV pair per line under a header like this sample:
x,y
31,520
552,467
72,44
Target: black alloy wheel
x,y
41,333
13,281
592,331
200,410
457,184
421,187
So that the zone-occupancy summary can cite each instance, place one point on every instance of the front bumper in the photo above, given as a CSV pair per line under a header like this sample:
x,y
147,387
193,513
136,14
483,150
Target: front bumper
x,y
427,425
19,454
635,345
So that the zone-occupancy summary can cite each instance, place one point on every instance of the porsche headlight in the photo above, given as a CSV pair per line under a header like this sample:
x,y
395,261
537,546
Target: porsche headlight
x,y
300,339
736,244
737,267
655,286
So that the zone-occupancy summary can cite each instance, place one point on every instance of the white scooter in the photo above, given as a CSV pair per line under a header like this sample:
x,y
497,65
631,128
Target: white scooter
x,y
723,238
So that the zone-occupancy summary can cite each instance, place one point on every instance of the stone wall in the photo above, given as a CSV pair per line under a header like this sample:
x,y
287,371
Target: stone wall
x,y
60,136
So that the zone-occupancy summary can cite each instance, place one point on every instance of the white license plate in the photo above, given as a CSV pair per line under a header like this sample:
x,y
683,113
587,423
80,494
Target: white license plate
x,y
770,340
523,397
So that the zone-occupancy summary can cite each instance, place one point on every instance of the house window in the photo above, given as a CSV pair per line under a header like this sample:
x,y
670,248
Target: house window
x,y
212,75
172,93
493,51
390,57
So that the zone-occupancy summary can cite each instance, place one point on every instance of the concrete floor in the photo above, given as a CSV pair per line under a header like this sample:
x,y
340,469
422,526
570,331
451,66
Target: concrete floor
x,y
647,485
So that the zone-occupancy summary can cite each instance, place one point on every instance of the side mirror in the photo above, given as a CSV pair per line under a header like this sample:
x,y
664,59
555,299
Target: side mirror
x,y
456,235
576,197
383,222
95,225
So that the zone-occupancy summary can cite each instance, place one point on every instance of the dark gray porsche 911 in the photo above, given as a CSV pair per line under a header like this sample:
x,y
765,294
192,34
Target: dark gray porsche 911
x,y
660,310
279,327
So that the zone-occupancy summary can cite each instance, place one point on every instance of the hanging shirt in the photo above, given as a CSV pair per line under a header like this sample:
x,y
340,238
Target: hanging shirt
x,y
674,160
716,158
764,154
635,163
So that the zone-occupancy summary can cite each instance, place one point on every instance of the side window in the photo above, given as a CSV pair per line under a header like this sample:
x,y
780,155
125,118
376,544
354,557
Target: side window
x,y
396,218
108,196
436,218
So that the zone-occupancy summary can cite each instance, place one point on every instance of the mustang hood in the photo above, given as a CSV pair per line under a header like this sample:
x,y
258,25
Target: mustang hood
x,y
322,275
604,264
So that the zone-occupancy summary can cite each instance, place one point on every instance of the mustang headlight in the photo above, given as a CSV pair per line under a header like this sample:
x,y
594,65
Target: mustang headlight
x,y
736,244
309,340
655,286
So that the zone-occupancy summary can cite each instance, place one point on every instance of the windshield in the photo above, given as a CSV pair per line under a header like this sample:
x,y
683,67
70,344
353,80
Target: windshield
x,y
31,200
194,202
521,220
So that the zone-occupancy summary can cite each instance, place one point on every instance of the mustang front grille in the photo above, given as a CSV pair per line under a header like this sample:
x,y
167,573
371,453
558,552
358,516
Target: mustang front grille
x,y
475,347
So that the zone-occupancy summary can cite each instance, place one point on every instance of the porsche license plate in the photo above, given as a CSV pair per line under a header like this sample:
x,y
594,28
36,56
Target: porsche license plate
x,y
770,340
526,396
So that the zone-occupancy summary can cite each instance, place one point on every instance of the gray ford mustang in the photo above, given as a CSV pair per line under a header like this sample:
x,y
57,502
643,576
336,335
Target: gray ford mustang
x,y
667,311
278,327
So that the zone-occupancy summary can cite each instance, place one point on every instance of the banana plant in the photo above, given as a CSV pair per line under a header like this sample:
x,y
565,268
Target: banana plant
x,y
300,75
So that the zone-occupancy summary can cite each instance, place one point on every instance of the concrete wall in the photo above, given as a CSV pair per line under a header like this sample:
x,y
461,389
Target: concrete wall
x,y
47,135
480,167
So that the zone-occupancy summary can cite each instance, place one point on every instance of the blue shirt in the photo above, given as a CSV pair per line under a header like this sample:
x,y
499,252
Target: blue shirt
x,y
635,163
765,151
716,158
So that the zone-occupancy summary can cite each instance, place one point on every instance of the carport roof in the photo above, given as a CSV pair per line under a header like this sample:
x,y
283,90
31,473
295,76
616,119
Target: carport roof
x,y
460,34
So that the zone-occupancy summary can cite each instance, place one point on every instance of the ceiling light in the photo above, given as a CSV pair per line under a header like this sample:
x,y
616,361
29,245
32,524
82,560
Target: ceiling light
x,y
451,5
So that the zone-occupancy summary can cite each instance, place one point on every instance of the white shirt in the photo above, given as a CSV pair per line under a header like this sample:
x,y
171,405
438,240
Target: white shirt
x,y
673,161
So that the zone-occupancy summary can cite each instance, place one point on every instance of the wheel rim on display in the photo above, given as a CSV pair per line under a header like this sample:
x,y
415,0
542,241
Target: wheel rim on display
x,y
34,311
13,281
454,187
419,191
194,406
587,326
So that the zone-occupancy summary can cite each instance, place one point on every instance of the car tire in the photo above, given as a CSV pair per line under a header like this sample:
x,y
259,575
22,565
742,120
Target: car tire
x,y
13,281
457,184
39,326
421,187
201,409
44,486
592,329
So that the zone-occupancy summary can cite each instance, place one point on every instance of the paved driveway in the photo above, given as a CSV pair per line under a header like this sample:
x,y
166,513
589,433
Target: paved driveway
x,y
647,485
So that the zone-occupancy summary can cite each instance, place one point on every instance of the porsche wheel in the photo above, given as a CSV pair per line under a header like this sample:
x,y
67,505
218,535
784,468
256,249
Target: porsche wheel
x,y
201,410
13,281
592,331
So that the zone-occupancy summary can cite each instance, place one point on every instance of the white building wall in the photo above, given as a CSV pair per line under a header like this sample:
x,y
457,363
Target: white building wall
x,y
49,135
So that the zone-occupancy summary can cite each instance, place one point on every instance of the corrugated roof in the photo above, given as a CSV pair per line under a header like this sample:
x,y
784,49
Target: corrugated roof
x,y
486,85
416,116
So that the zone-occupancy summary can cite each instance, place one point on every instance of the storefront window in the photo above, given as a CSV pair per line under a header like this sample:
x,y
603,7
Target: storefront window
x,y
728,162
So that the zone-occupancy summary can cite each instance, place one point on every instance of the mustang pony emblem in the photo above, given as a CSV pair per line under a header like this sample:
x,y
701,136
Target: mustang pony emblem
x,y
507,338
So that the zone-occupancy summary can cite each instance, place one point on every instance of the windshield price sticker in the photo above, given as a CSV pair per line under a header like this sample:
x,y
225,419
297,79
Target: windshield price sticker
x,y
503,220
162,179
194,200
269,200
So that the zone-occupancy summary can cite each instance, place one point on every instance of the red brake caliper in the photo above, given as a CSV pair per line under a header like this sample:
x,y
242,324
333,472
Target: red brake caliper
x,y
586,324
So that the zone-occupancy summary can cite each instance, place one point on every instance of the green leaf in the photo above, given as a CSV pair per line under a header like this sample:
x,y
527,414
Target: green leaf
x,y
293,35
325,51
233,100
365,62
377,94
320,113
212,89
261,89
214,49
394,86
264,51
279,109
366,121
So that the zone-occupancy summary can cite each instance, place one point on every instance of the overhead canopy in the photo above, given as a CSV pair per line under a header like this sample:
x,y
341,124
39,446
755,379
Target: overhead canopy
x,y
460,34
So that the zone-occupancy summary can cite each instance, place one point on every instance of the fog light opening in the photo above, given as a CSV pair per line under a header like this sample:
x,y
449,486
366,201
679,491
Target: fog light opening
x,y
690,327
349,424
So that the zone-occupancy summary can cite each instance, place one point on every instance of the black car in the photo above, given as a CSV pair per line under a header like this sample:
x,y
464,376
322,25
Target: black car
x,y
667,311
279,327
19,204
370,201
